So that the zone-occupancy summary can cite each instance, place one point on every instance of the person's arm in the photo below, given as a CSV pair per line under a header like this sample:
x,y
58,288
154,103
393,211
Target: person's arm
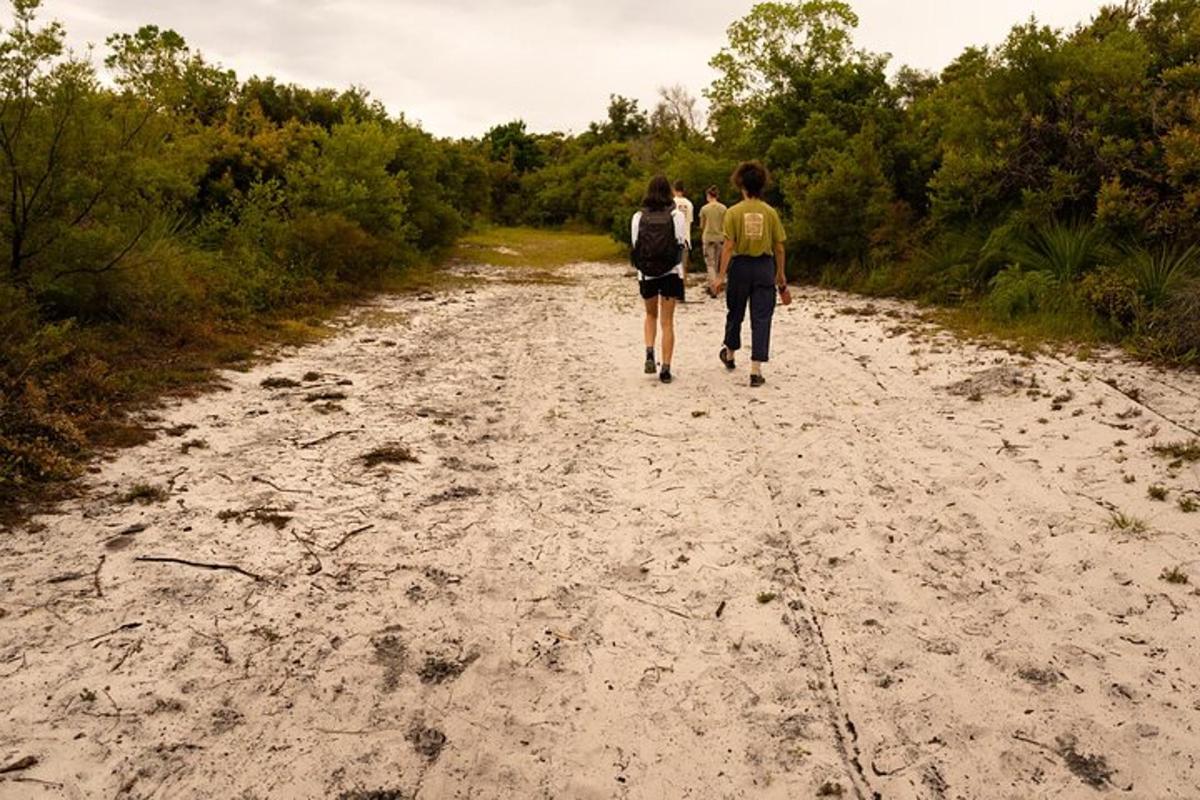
x,y
723,270
780,265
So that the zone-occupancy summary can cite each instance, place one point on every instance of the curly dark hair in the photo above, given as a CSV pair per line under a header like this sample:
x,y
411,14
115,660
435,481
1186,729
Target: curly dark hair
x,y
658,194
751,177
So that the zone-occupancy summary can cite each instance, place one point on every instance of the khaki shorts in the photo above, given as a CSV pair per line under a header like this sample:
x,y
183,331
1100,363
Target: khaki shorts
x,y
712,257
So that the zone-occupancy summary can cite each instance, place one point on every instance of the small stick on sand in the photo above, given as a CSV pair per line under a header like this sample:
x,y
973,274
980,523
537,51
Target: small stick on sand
x,y
276,487
350,536
324,439
28,762
659,606
128,626
200,565
96,577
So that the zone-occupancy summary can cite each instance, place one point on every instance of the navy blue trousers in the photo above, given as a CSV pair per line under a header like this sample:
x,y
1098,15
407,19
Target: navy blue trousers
x,y
751,281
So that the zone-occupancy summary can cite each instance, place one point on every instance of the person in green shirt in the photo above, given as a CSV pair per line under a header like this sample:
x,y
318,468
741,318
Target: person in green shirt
x,y
712,227
752,265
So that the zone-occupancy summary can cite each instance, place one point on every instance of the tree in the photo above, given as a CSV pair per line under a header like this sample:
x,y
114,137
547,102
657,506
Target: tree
x,y
771,41
158,66
676,114
67,149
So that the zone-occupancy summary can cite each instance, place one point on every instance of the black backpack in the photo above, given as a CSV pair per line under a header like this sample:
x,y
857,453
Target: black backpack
x,y
656,251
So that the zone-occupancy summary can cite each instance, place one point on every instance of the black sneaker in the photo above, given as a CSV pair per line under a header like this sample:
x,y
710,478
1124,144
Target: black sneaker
x,y
757,380
651,366
729,363
665,375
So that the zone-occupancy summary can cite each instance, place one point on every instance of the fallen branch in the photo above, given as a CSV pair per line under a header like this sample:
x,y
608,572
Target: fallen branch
x,y
257,479
324,439
308,546
28,762
200,565
96,577
128,626
350,536
67,578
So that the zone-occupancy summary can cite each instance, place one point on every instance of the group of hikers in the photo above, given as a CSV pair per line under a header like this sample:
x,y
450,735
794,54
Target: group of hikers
x,y
743,252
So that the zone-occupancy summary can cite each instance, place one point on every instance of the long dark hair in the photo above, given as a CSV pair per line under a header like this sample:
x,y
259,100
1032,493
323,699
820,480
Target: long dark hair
x,y
658,194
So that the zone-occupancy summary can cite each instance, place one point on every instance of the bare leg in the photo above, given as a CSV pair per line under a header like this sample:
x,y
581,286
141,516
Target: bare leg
x,y
651,324
668,329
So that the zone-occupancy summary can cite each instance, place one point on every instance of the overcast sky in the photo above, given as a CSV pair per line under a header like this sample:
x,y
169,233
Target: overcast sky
x,y
461,66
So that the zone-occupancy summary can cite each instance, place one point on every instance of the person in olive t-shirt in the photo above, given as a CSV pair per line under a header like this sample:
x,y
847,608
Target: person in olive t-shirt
x,y
712,234
752,262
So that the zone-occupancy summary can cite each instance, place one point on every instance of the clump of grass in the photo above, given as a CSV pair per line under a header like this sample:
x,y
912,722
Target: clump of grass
x,y
1130,479
144,494
532,248
193,444
279,383
390,454
767,597
1174,575
1120,521
1158,493
1188,504
1179,451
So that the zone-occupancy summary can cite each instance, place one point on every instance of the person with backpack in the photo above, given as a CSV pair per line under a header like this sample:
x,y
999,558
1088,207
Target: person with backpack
x,y
659,235
712,233
753,261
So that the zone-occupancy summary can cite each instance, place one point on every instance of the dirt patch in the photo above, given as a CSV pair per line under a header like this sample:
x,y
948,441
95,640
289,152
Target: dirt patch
x,y
390,454
392,655
1001,381
427,741
437,670
1091,769
452,494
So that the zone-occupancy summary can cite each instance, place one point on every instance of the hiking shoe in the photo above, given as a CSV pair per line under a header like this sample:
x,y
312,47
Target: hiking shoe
x,y
651,367
757,380
665,375
727,358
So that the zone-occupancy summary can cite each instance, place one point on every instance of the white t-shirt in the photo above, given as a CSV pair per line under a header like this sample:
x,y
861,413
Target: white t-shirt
x,y
681,236
686,208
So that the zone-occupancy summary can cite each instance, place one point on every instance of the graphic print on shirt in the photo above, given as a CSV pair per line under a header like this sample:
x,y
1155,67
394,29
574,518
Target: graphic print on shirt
x,y
754,225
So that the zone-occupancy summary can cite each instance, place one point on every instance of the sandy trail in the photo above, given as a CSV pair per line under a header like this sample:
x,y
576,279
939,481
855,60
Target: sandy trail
x,y
856,582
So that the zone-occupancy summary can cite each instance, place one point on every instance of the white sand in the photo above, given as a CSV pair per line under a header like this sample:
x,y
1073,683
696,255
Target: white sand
x,y
954,617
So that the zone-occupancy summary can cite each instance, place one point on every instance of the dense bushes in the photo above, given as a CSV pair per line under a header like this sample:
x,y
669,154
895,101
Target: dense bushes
x,y
145,225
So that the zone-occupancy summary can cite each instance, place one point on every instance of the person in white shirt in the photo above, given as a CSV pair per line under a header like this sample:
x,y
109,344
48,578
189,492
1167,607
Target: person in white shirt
x,y
689,216
659,234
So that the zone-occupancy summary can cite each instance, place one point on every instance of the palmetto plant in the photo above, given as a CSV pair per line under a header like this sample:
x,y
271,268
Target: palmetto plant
x,y
1065,251
1158,273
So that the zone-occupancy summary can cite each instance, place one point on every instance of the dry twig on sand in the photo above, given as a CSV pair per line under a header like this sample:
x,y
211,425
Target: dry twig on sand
x,y
200,565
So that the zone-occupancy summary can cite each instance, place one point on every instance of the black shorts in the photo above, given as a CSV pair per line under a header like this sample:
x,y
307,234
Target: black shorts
x,y
669,286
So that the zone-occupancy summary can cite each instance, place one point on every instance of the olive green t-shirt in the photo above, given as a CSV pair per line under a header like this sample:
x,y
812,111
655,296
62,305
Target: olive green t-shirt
x,y
712,222
754,228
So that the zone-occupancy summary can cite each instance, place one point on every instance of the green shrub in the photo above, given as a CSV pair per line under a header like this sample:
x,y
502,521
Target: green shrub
x,y
1016,293
1112,295
1157,273
1063,251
